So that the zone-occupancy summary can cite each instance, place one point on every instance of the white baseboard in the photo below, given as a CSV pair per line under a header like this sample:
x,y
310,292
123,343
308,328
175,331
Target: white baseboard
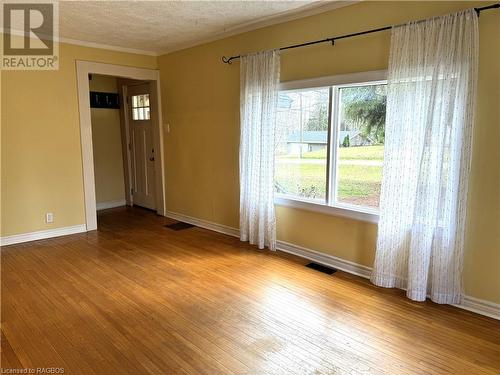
x,y
473,304
230,231
42,234
110,204
325,259
480,306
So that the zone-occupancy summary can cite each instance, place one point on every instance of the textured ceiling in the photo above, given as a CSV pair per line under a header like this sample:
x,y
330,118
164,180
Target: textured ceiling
x,y
164,26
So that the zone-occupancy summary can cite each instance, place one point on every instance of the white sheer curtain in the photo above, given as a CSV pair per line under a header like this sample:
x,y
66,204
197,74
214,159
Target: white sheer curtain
x,y
430,114
259,73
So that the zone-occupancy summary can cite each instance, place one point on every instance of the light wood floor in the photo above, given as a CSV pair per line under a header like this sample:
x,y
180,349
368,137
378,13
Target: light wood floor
x,y
137,298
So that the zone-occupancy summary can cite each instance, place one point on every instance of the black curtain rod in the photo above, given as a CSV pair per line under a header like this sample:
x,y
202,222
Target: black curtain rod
x,y
333,39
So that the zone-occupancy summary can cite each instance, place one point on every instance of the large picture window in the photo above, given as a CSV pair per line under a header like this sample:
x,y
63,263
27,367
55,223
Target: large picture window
x,y
330,144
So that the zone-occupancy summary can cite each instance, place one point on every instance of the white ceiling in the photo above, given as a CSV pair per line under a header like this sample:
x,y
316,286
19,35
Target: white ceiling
x,y
158,27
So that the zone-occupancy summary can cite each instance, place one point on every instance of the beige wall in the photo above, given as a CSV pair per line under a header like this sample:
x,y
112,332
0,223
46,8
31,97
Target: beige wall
x,y
41,166
201,104
107,145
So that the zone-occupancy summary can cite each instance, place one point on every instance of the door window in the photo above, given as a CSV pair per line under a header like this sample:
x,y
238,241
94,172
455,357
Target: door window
x,y
140,107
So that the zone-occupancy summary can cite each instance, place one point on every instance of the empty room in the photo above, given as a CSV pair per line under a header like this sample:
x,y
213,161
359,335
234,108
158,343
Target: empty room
x,y
250,187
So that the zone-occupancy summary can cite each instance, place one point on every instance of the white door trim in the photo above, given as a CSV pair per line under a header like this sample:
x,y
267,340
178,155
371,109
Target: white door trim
x,y
83,69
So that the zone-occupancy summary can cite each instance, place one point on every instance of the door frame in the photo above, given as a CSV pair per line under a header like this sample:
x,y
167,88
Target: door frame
x,y
83,69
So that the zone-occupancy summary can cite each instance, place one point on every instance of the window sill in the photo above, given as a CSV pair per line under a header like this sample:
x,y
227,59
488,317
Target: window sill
x,y
348,211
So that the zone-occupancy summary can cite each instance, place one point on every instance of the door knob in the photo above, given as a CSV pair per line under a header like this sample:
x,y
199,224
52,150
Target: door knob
x,y
152,158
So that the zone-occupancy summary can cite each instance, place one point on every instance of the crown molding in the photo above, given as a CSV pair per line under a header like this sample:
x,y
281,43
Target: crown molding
x,y
107,47
83,43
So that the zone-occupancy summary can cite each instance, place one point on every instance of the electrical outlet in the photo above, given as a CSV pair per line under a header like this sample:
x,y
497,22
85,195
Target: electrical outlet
x,y
49,217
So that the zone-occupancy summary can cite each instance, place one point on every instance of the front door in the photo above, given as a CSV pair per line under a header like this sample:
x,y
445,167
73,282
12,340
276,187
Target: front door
x,y
142,150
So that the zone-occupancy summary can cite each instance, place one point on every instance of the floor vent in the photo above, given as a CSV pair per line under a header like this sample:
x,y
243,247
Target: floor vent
x,y
179,226
321,268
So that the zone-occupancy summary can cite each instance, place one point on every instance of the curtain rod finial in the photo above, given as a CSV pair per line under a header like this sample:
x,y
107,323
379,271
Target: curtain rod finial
x,y
226,60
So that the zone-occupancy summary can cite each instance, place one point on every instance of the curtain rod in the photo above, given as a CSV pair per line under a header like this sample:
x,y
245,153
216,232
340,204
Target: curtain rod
x,y
333,39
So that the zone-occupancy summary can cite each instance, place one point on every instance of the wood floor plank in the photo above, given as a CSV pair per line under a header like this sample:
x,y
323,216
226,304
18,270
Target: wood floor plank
x,y
137,298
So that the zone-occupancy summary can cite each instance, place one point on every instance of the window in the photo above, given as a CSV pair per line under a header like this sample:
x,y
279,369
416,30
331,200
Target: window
x,y
302,141
140,107
330,144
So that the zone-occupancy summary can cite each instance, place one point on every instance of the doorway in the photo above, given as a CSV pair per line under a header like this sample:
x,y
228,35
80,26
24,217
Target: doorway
x,y
107,142
142,136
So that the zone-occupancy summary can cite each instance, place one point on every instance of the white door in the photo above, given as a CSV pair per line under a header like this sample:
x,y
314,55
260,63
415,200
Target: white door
x,y
142,149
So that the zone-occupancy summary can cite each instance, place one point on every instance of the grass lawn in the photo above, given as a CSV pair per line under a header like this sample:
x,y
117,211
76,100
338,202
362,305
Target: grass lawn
x,y
357,184
351,153
311,177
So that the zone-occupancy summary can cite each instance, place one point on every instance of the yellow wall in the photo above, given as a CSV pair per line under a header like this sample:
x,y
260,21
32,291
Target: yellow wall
x,y
201,104
41,168
107,145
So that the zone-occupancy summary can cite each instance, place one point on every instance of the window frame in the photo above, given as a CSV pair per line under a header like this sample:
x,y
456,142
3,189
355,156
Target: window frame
x,y
331,206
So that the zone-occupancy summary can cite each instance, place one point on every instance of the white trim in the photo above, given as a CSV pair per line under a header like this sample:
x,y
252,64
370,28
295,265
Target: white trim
x,y
348,211
83,69
84,43
316,256
372,76
333,207
469,303
107,47
110,204
480,306
159,146
42,234
125,138
210,225
473,304
332,147
325,259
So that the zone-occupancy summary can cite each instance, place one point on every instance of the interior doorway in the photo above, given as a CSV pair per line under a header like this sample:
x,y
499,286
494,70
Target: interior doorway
x,y
122,116
107,143
140,131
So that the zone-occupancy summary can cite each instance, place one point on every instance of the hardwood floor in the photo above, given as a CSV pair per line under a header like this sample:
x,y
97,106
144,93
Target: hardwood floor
x,y
138,298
